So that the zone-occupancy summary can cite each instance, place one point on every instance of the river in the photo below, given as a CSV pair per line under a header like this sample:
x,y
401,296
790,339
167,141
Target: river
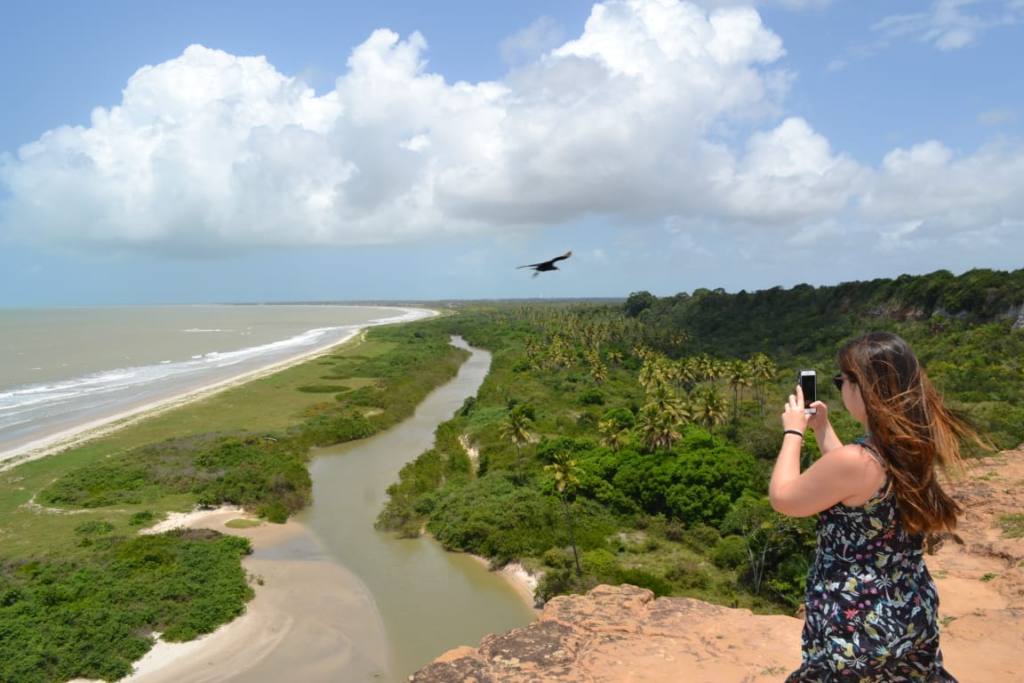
x,y
430,600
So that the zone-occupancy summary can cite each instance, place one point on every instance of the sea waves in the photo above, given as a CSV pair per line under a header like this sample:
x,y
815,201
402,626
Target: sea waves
x,y
18,402
32,411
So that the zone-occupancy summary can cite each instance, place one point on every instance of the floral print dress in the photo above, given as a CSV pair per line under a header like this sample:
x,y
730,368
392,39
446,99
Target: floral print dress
x,y
871,603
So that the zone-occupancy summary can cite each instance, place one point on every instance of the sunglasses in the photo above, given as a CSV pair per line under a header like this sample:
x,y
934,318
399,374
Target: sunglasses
x,y
838,381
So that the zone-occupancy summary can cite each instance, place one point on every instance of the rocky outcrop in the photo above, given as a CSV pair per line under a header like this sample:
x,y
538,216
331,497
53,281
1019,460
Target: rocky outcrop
x,y
622,634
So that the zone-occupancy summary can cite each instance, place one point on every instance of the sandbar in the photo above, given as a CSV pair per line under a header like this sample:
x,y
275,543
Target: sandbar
x,y
310,620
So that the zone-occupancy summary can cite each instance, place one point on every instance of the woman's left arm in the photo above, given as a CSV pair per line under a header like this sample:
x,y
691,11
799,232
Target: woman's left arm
x,y
824,484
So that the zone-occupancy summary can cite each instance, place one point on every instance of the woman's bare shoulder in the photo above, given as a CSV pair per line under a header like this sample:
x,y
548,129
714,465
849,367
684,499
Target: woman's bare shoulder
x,y
851,452
863,472
853,459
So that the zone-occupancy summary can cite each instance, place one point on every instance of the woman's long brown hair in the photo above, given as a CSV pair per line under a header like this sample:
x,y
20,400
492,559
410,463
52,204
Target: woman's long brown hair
x,y
910,425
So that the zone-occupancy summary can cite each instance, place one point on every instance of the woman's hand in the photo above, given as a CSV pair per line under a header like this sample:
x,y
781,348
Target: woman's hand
x,y
818,421
793,415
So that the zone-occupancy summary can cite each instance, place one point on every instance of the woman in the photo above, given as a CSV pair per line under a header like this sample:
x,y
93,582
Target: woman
x,y
871,604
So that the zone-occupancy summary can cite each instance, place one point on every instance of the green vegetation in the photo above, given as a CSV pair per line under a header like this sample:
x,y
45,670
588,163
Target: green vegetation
x,y
634,442
203,453
242,523
613,443
92,618
81,593
1012,525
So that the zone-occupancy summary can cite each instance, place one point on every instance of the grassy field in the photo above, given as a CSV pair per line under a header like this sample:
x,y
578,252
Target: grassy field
x,y
273,402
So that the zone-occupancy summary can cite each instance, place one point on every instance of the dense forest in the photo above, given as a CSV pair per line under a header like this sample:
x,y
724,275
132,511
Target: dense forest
x,y
633,443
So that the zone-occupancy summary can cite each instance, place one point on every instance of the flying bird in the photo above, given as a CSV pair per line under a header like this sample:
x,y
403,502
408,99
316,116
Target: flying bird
x,y
545,266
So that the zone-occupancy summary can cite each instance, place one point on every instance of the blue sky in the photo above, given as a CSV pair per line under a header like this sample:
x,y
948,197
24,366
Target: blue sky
x,y
669,146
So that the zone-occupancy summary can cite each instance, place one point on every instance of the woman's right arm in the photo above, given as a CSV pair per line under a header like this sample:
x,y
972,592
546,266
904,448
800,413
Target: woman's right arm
x,y
823,432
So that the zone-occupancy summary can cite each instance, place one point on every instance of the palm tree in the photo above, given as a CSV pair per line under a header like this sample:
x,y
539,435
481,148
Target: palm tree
x,y
687,373
598,370
656,372
658,427
533,354
763,369
615,428
563,468
710,407
664,401
707,368
516,428
739,376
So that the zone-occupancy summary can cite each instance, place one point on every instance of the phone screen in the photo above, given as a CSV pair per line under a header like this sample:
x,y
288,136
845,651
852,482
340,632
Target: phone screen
x,y
809,385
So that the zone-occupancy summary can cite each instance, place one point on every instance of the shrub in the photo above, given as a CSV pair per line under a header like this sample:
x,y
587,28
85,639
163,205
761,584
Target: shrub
x,y
1012,525
688,575
94,528
701,538
601,563
274,512
324,388
675,530
645,579
493,517
730,552
561,582
558,558
92,618
696,482
141,518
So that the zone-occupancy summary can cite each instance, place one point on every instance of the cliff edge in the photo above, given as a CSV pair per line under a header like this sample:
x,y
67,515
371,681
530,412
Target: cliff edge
x,y
622,634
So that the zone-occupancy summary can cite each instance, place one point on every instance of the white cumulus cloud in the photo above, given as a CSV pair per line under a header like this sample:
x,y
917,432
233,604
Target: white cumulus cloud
x,y
943,197
210,151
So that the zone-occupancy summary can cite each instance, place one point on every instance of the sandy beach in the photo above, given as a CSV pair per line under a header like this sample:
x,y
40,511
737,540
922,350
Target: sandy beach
x,y
311,619
524,583
81,433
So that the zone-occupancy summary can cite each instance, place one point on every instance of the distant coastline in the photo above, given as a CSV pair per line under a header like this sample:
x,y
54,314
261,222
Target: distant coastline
x,y
91,429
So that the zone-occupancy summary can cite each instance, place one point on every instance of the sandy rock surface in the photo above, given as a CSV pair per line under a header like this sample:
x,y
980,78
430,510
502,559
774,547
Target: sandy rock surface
x,y
623,635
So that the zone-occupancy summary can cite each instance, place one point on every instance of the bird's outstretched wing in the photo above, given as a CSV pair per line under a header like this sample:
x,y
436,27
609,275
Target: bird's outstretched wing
x,y
547,263
562,257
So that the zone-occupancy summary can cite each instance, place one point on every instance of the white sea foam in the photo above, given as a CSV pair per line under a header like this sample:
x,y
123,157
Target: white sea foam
x,y
18,398
103,386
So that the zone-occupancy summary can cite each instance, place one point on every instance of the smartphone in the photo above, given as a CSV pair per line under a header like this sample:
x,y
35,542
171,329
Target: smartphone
x,y
809,384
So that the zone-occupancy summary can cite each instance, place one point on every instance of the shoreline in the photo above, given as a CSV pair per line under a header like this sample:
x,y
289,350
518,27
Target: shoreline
x,y
524,582
312,618
515,574
309,608
93,429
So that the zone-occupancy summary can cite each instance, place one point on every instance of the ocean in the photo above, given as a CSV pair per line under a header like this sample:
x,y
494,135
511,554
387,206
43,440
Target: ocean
x,y
64,368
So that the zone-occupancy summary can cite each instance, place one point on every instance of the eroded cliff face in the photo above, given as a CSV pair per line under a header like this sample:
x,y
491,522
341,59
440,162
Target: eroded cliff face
x,y
622,634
